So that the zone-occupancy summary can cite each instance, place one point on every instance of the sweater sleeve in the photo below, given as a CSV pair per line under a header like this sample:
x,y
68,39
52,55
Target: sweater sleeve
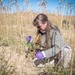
x,y
55,49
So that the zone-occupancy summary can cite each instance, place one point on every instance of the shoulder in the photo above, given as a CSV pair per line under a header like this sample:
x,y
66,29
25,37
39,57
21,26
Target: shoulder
x,y
55,33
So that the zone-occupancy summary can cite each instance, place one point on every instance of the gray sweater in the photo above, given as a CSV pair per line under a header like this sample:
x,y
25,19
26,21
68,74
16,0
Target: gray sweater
x,y
57,41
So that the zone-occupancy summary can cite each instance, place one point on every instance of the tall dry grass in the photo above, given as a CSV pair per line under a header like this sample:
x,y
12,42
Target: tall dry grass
x,y
15,27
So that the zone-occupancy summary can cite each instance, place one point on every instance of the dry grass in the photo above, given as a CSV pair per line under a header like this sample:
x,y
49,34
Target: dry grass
x,y
15,27
20,25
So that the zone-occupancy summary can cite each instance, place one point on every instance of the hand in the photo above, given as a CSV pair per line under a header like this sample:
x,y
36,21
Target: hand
x,y
39,55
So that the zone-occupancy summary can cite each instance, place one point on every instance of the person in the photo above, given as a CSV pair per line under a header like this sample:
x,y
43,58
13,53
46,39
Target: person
x,y
53,48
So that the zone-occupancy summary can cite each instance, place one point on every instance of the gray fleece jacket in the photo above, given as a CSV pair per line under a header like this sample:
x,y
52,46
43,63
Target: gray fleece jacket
x,y
57,41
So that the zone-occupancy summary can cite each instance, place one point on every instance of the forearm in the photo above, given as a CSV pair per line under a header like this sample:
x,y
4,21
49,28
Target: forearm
x,y
51,52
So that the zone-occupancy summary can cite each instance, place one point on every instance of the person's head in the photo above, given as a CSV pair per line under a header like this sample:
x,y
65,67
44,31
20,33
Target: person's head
x,y
41,22
43,26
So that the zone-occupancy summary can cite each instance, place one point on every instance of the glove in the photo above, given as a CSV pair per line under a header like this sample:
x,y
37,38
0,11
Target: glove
x,y
39,55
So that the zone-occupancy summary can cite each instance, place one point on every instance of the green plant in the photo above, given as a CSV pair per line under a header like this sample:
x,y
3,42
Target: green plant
x,y
31,46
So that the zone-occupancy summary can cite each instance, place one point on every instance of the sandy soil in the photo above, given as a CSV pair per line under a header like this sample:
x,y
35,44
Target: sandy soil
x,y
16,64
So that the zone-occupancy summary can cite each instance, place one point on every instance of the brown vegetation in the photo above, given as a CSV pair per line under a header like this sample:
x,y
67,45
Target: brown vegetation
x,y
15,27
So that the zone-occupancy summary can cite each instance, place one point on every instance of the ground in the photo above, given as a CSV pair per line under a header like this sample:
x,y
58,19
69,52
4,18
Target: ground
x,y
13,63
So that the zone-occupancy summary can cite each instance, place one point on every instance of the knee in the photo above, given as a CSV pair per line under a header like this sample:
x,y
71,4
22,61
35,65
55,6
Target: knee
x,y
67,50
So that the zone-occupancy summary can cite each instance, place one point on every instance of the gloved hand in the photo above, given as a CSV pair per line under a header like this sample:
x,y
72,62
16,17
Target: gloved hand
x,y
39,55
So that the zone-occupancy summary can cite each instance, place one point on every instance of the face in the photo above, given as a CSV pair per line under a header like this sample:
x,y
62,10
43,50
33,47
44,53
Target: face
x,y
41,26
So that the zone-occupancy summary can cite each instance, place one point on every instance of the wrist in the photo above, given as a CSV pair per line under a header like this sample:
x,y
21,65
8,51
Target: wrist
x,y
43,53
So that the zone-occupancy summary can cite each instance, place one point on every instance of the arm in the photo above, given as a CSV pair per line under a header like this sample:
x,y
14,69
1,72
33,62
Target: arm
x,y
56,45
